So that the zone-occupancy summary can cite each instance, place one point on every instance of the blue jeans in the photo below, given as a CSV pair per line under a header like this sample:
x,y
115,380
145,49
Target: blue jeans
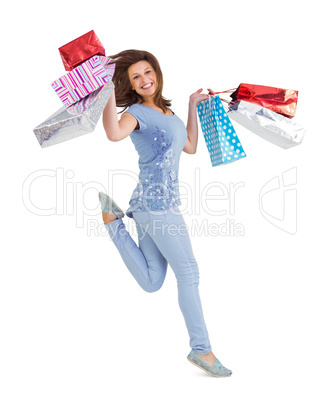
x,y
163,239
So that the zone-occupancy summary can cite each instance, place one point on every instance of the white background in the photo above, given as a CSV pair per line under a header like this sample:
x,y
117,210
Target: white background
x,y
75,326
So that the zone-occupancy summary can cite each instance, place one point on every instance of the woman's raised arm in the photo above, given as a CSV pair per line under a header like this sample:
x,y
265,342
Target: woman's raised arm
x,y
115,129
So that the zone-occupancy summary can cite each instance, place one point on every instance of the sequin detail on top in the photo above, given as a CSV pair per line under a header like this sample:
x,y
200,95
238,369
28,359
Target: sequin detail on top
x,y
159,190
159,146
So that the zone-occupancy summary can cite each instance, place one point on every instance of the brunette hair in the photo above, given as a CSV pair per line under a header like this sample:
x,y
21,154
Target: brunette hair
x,y
125,96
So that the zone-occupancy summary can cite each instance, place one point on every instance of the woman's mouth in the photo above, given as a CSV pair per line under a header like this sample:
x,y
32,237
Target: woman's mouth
x,y
147,86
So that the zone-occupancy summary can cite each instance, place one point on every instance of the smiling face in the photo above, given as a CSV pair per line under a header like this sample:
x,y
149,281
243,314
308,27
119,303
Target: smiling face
x,y
143,78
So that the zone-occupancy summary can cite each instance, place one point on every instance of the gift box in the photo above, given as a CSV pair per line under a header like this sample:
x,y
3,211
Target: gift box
x,y
81,49
221,139
74,121
84,79
269,125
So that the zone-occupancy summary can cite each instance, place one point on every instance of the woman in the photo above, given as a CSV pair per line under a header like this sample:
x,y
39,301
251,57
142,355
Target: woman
x,y
159,137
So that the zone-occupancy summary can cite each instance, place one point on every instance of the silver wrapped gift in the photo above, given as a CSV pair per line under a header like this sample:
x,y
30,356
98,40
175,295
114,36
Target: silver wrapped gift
x,y
271,126
78,119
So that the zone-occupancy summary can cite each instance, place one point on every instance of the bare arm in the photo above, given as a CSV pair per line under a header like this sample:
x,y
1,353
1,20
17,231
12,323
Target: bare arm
x,y
192,126
115,129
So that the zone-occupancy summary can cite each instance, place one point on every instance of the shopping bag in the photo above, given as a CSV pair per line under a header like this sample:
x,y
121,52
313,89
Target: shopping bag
x,y
269,125
81,49
76,120
221,139
283,101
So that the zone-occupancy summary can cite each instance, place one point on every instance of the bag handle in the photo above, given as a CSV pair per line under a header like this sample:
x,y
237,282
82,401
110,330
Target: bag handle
x,y
224,92
210,97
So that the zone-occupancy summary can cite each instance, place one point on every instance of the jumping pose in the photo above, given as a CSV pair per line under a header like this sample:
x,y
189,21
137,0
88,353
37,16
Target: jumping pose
x,y
159,137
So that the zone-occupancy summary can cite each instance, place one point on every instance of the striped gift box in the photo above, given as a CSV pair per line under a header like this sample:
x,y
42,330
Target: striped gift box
x,y
84,79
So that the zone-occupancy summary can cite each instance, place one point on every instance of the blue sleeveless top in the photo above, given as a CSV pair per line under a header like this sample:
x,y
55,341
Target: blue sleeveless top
x,y
159,142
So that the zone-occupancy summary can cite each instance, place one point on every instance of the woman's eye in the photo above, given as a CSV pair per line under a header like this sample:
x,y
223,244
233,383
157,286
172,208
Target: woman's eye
x,y
135,77
148,71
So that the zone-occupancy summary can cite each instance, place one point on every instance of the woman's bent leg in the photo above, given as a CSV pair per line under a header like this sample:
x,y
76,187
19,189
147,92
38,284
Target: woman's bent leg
x,y
146,263
156,263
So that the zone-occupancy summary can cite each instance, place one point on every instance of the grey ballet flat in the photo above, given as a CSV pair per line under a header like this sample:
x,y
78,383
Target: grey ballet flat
x,y
216,369
108,205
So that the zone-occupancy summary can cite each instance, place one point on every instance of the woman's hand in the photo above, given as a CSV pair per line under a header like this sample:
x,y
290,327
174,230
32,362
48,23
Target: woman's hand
x,y
210,91
197,97
192,129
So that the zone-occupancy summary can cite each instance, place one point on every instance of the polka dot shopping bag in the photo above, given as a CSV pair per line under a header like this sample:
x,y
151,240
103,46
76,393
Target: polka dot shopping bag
x,y
220,136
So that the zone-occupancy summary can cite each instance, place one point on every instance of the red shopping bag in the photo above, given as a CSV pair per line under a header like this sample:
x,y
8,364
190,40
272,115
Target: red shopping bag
x,y
283,101
80,50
